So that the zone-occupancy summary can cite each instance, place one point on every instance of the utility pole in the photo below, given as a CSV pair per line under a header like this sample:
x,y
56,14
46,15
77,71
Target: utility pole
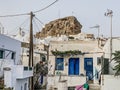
x,y
109,13
31,82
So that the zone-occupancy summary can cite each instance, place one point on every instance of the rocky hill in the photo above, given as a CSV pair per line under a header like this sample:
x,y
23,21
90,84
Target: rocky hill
x,y
63,26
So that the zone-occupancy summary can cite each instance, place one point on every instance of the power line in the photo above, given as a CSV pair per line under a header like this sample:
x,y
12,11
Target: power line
x,y
23,14
35,24
14,30
45,7
22,25
15,15
39,20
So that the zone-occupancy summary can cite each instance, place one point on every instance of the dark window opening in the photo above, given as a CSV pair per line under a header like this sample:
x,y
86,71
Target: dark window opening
x,y
13,55
105,65
25,68
1,54
43,58
71,88
99,60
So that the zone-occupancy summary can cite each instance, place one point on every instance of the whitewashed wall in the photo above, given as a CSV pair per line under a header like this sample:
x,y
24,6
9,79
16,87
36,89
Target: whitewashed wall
x,y
115,47
90,46
71,81
8,43
17,77
84,46
20,85
110,82
10,76
11,44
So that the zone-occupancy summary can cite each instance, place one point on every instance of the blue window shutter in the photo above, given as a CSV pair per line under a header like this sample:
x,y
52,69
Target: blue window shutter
x,y
77,66
71,66
74,66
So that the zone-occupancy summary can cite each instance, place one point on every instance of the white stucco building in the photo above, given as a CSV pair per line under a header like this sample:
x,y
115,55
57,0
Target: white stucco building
x,y
71,70
109,81
39,47
14,74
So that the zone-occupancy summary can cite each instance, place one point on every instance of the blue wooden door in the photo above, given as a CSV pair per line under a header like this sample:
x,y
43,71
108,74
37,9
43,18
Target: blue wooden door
x,y
88,66
76,66
73,66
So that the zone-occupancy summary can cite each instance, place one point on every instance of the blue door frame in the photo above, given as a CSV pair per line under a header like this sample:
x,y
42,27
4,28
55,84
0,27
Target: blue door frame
x,y
73,66
88,66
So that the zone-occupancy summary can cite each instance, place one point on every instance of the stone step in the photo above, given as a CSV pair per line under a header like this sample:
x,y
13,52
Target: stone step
x,y
94,87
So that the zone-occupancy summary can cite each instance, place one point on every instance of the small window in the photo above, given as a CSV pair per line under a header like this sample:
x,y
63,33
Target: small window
x,y
98,60
71,88
1,54
89,63
25,68
13,55
55,89
43,58
30,68
59,65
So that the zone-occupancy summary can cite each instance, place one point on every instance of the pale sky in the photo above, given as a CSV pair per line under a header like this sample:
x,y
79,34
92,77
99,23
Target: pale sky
x,y
88,12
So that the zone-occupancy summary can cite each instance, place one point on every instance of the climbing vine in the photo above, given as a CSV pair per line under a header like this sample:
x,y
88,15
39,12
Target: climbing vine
x,y
64,53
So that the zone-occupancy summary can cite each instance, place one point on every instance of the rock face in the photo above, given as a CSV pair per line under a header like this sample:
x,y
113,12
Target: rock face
x,y
64,26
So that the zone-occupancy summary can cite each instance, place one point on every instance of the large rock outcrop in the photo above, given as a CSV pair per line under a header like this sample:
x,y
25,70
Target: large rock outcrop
x,y
63,26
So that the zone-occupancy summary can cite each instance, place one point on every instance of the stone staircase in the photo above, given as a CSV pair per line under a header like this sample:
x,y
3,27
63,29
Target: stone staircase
x,y
94,87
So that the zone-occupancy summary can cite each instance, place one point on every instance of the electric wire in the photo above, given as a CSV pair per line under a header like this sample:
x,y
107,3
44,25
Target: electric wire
x,y
12,31
35,25
23,14
39,20
22,26
16,15
45,7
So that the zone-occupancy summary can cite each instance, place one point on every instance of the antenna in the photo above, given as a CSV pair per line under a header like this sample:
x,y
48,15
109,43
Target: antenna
x,y
98,27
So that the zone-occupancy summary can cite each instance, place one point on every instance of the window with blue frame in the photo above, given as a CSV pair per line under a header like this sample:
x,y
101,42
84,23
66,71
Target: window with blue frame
x,y
59,64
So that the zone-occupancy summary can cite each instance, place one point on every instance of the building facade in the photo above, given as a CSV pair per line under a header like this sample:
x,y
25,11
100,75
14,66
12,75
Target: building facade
x,y
12,72
109,81
72,62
